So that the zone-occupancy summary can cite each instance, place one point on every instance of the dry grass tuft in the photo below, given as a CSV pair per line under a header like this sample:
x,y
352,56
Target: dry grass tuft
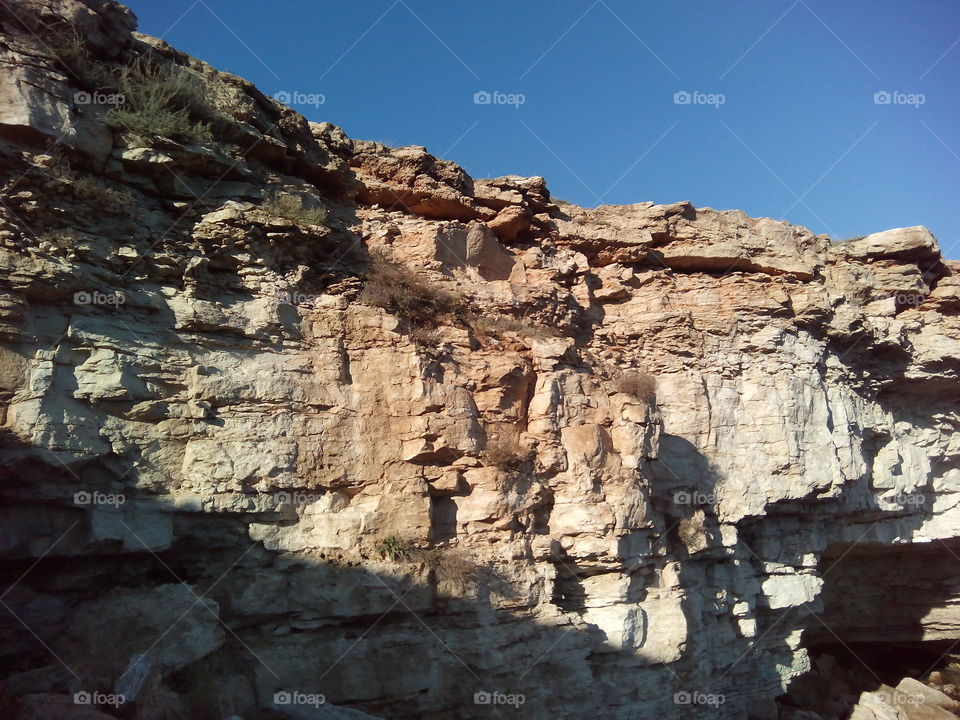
x,y
291,208
447,565
507,455
392,286
494,326
641,385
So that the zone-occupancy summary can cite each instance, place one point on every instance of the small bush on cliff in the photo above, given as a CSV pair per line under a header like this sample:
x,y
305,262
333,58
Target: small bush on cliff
x,y
118,201
156,97
96,192
291,208
641,385
75,60
496,326
453,567
447,565
392,286
427,337
507,455
159,99
393,548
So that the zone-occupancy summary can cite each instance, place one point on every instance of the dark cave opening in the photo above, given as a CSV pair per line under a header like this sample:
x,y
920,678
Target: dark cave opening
x,y
889,662
887,619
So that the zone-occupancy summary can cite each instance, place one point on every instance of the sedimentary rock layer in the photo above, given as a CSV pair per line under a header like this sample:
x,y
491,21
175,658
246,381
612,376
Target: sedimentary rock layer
x,y
231,480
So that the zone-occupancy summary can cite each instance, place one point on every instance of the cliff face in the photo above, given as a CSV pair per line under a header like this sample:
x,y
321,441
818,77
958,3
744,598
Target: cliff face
x,y
407,456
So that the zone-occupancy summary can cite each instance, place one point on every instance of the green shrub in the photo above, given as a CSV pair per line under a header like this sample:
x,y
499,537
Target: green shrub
x,y
390,285
291,208
159,97
159,100
394,548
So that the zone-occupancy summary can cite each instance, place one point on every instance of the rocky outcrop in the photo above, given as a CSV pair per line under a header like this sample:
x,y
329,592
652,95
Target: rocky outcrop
x,y
239,478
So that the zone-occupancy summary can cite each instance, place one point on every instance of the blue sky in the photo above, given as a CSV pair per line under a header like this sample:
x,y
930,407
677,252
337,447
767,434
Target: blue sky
x,y
783,124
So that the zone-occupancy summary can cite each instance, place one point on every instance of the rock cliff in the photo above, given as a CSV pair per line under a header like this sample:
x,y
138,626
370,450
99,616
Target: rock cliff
x,y
296,425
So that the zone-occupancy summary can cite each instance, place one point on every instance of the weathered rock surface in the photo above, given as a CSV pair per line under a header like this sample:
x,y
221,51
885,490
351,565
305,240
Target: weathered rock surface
x,y
219,457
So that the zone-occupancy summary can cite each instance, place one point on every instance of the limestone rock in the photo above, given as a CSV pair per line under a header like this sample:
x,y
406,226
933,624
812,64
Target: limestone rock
x,y
639,451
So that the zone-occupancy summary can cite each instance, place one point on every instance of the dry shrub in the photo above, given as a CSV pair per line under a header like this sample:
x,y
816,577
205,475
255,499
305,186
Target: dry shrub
x,y
115,200
101,194
454,567
496,325
448,566
62,239
392,286
641,385
425,336
75,60
506,455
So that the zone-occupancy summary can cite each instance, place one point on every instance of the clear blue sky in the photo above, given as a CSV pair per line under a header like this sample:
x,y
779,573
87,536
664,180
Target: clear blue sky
x,y
798,136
